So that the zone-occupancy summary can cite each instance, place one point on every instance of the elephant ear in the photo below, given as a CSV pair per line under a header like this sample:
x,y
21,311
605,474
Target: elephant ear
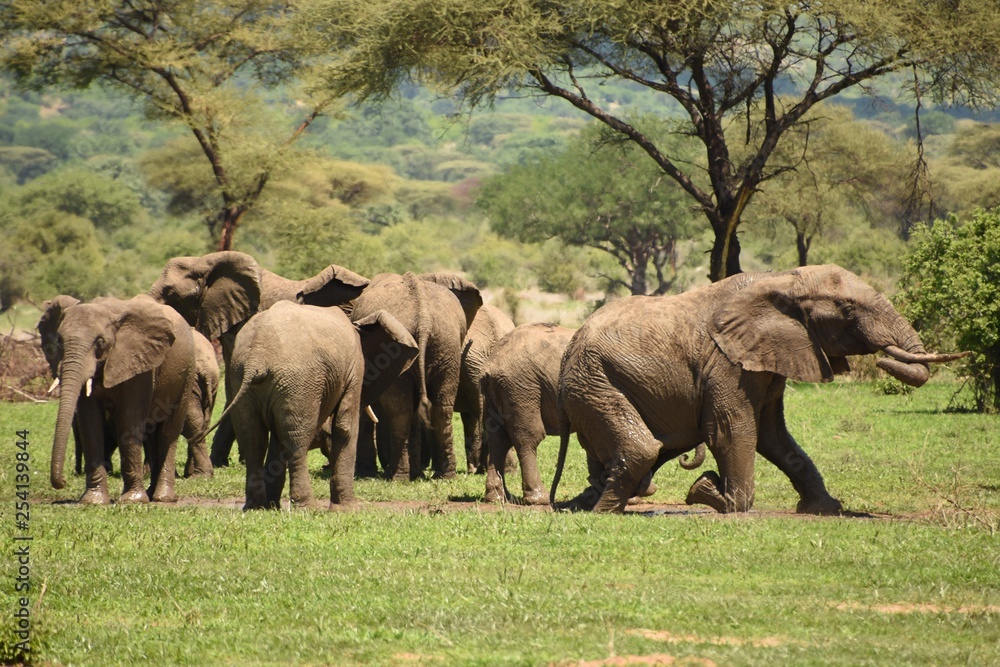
x,y
143,336
333,286
763,327
388,348
467,293
232,292
48,328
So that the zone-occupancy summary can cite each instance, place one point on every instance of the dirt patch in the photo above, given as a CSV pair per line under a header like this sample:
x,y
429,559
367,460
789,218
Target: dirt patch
x,y
415,658
24,373
918,608
671,638
655,660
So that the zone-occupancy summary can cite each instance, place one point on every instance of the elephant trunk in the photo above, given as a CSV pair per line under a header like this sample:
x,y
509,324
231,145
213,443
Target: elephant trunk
x,y
907,360
72,379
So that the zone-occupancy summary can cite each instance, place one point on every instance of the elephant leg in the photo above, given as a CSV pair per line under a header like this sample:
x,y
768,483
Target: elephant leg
x,y
90,434
222,442
442,441
253,439
732,439
365,465
497,443
343,452
528,432
163,469
294,445
275,469
476,455
199,463
131,450
778,446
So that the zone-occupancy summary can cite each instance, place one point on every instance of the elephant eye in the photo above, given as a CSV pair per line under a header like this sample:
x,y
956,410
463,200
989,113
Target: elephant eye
x,y
99,345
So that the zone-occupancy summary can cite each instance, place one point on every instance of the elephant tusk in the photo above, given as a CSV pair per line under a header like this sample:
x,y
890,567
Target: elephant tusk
x,y
90,385
924,358
54,386
371,413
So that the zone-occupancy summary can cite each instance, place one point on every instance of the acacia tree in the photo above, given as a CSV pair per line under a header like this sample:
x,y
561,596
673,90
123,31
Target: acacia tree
x,y
198,62
599,195
844,168
718,61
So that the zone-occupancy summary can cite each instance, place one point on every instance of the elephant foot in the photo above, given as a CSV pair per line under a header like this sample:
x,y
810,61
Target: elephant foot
x,y
344,506
705,491
447,474
582,503
536,498
220,462
95,497
133,496
164,495
822,505
201,474
493,496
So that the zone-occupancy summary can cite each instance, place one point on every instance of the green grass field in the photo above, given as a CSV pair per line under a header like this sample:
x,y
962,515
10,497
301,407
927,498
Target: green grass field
x,y
419,582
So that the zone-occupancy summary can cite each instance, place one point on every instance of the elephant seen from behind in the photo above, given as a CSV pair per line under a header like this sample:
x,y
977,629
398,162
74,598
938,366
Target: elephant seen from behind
x,y
437,310
647,377
293,367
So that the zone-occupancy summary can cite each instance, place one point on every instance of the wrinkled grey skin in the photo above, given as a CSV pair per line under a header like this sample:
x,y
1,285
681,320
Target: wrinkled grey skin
x,y
139,356
216,293
646,377
520,389
489,326
437,310
293,367
200,407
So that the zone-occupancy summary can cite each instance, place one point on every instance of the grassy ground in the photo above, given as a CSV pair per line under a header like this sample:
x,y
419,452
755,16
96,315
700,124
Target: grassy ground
x,y
419,582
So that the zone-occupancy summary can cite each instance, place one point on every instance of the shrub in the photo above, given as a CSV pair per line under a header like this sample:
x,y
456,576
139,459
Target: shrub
x,y
951,292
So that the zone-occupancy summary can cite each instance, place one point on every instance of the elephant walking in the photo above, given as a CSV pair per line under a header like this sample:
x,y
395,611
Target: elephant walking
x,y
292,368
646,377
130,365
437,310
489,326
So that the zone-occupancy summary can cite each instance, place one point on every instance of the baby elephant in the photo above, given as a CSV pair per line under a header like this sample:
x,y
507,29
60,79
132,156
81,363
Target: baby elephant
x,y
520,386
294,366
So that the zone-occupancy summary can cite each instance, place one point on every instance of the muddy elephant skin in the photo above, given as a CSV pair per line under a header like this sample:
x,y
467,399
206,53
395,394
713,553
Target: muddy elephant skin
x,y
645,377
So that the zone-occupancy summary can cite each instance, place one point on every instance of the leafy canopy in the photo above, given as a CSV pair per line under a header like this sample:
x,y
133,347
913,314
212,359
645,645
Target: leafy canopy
x,y
714,62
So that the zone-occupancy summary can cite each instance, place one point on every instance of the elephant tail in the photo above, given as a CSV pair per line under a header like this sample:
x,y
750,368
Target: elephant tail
x,y
249,377
692,462
422,333
564,429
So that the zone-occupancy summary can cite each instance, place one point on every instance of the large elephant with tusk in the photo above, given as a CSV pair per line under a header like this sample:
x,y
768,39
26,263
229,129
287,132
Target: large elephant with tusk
x,y
647,377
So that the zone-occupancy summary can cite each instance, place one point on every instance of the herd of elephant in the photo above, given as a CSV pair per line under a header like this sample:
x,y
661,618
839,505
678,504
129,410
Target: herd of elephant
x,y
371,371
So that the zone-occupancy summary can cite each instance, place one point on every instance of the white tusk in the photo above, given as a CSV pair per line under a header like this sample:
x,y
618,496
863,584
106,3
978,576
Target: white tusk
x,y
55,385
371,413
90,386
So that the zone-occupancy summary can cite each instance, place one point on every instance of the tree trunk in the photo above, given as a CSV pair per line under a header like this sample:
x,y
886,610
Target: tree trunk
x,y
639,278
230,221
802,244
724,266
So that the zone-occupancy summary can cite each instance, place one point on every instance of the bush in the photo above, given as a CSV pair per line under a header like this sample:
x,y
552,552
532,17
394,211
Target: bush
x,y
951,292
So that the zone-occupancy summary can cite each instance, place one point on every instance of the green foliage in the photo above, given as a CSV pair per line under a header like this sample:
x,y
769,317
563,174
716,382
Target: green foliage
x,y
106,202
601,194
951,292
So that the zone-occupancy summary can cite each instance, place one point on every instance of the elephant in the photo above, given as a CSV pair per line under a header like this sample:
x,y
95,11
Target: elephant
x,y
647,377
520,389
130,363
292,368
216,293
200,406
489,326
437,310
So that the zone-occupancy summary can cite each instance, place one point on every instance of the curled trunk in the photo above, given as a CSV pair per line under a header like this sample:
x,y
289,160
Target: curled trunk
x,y
910,367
